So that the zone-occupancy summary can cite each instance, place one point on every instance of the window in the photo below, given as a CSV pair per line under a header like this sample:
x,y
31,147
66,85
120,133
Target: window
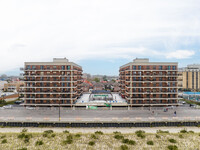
x,y
154,67
139,67
63,79
41,67
134,72
28,67
68,67
160,67
62,84
63,67
134,67
160,78
173,67
147,67
48,67
54,67
169,67
33,67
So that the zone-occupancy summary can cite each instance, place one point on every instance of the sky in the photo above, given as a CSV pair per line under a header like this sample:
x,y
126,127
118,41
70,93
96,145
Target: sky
x,y
99,35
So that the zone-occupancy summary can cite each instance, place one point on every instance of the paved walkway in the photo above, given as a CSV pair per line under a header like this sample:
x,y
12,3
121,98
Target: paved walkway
x,y
104,130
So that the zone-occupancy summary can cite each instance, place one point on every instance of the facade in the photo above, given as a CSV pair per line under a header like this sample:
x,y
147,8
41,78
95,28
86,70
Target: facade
x,y
145,83
52,83
13,86
190,76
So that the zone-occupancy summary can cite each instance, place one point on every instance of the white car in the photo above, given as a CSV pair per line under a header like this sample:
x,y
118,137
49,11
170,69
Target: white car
x,y
30,108
8,106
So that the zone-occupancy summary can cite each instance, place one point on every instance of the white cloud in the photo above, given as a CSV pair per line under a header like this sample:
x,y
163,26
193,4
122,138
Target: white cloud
x,y
180,54
41,30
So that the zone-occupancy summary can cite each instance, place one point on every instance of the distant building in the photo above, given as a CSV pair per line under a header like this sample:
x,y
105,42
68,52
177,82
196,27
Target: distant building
x,y
13,86
2,84
145,83
98,86
52,83
86,87
116,87
190,77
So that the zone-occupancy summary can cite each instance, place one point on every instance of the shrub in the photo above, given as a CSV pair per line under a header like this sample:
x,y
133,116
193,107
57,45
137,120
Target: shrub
x,y
68,141
48,131
172,147
26,140
172,141
99,132
28,136
180,136
157,136
3,136
53,135
160,131
149,142
131,142
91,143
24,148
125,141
45,135
65,131
124,147
40,142
119,137
191,131
69,137
183,131
77,135
116,132
4,141
93,136
21,136
140,134
24,130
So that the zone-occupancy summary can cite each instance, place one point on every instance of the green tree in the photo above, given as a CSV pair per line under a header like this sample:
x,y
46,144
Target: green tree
x,y
96,80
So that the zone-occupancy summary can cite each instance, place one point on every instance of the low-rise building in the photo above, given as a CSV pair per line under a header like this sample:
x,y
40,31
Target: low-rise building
x,y
13,86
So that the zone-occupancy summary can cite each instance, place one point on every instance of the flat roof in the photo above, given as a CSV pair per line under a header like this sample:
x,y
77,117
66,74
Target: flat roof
x,y
56,61
145,61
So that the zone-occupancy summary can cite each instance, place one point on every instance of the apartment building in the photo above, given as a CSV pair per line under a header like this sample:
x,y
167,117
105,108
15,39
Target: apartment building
x,y
52,83
190,77
13,86
145,83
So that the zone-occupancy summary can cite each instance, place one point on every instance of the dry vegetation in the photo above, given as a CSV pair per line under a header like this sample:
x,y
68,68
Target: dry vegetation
x,y
139,140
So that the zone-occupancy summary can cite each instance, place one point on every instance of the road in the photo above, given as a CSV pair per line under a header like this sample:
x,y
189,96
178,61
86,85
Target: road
x,y
136,114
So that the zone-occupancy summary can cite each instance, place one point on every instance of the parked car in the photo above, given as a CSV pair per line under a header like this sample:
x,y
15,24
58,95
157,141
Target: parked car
x,y
19,102
31,108
8,106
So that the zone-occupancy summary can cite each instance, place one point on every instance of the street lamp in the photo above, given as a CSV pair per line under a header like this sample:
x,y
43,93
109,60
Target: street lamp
x,y
149,100
59,108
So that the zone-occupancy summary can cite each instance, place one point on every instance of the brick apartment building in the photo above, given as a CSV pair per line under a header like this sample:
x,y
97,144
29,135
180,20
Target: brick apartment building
x,y
52,83
145,83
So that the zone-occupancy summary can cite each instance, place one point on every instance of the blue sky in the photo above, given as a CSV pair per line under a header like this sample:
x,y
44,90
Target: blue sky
x,y
98,35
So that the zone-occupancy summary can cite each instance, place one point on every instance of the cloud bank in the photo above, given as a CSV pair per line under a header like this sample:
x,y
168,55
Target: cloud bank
x,y
93,29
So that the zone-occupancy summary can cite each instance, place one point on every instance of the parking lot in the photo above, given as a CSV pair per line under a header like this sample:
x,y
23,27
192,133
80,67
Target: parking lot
x,y
18,113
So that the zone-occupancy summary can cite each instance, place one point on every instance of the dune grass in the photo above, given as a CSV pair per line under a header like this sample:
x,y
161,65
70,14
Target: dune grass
x,y
99,140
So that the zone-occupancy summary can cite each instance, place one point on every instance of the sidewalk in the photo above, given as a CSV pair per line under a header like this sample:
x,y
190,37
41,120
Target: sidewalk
x,y
104,130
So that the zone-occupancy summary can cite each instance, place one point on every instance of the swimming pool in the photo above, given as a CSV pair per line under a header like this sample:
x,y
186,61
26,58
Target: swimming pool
x,y
192,93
